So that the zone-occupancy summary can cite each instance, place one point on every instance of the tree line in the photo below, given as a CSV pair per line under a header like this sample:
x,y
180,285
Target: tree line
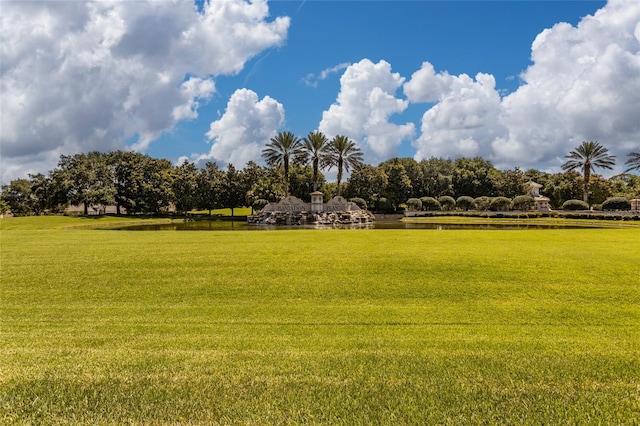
x,y
139,184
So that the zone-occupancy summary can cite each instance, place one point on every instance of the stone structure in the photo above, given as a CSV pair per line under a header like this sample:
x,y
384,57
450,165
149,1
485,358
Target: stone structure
x,y
541,202
294,211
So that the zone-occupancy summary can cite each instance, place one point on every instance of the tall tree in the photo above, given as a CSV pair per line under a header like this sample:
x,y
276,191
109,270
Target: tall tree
x,y
343,154
367,182
586,157
185,187
633,162
210,181
19,197
315,150
414,173
399,186
233,191
472,177
89,179
283,149
437,177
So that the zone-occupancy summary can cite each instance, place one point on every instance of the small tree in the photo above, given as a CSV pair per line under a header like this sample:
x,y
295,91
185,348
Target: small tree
x,y
384,205
464,202
360,202
430,204
500,204
482,203
523,202
616,203
575,205
414,204
447,202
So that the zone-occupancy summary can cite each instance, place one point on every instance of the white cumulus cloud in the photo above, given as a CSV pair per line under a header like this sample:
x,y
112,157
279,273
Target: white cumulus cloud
x,y
583,84
245,127
362,109
464,116
80,76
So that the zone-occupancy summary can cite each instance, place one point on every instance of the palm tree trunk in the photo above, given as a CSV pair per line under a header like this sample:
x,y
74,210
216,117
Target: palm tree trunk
x,y
587,177
339,175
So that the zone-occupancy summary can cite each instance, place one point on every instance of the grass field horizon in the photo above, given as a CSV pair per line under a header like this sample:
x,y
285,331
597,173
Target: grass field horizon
x,y
317,327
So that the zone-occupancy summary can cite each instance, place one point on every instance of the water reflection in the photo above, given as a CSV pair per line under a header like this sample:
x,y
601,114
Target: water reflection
x,y
217,225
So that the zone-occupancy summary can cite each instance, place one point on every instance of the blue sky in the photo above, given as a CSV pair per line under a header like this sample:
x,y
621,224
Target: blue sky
x,y
457,36
505,80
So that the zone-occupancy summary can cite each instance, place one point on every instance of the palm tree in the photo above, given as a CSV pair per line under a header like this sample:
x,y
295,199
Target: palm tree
x,y
315,151
344,154
586,157
633,161
282,149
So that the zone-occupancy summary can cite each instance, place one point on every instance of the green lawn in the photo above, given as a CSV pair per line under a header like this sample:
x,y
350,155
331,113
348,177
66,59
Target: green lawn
x,y
318,327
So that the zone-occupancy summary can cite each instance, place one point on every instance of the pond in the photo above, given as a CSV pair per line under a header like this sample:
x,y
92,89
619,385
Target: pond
x,y
218,225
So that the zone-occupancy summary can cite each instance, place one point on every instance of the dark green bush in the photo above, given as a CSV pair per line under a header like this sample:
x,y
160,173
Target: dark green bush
x,y
464,202
430,204
616,203
500,204
447,203
384,205
259,204
360,202
523,202
482,203
575,205
414,204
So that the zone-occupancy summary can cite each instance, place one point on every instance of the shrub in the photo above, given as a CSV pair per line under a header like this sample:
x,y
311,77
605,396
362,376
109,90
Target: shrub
x,y
575,205
616,203
384,205
430,204
482,203
447,203
464,202
414,204
360,202
523,202
500,204
259,204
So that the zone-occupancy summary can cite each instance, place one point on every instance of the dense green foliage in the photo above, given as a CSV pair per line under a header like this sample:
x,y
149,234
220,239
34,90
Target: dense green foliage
x,y
359,202
137,183
523,202
616,203
465,202
383,327
414,204
500,204
575,205
430,204
447,202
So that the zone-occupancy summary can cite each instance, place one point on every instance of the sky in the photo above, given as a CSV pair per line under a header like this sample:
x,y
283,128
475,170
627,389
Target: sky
x,y
520,83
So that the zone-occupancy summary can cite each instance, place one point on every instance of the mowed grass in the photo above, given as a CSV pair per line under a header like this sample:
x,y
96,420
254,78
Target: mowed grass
x,y
319,327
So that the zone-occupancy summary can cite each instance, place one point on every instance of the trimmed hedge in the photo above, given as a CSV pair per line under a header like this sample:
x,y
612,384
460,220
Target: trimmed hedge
x,y
523,202
447,203
500,204
360,202
414,204
482,203
464,202
384,205
430,204
616,203
575,205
